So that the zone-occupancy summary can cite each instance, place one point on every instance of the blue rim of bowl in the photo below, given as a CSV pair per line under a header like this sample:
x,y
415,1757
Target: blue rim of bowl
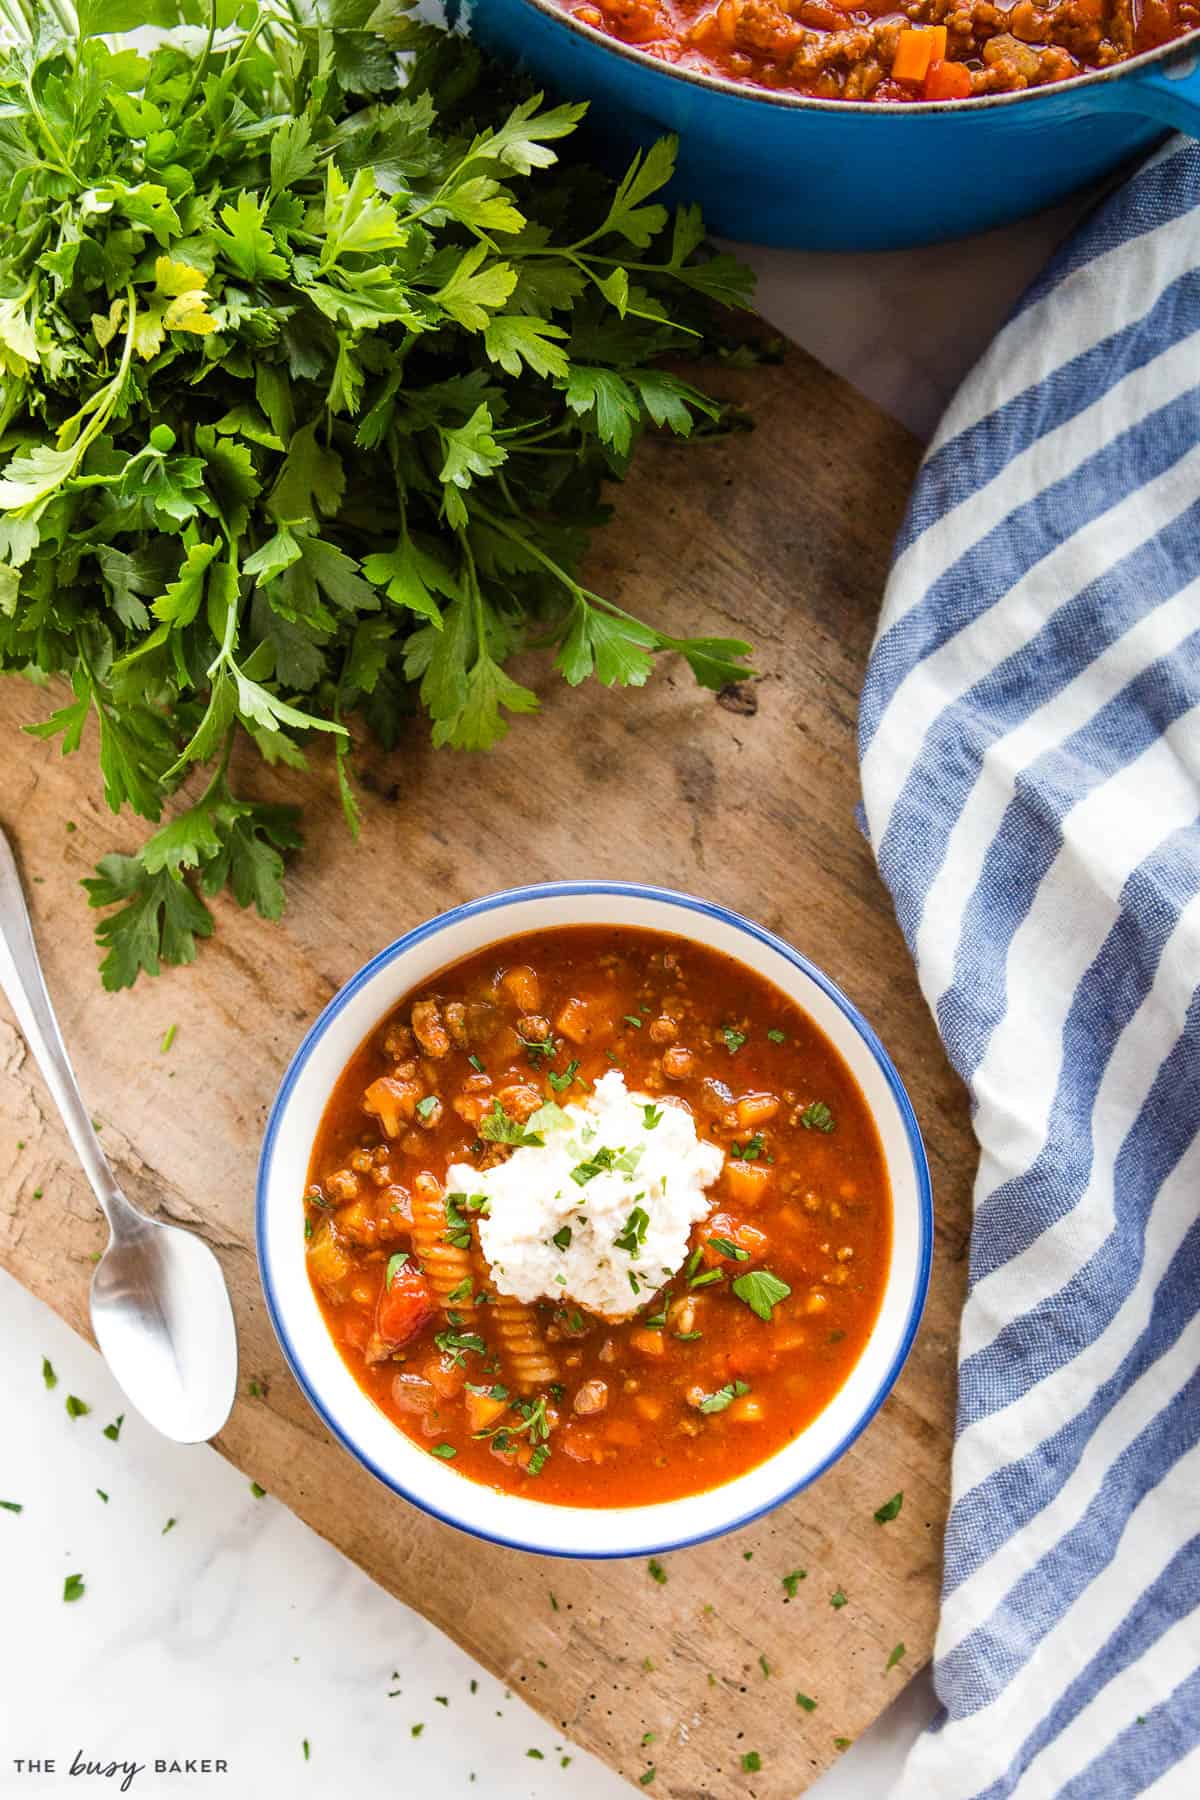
x,y
688,903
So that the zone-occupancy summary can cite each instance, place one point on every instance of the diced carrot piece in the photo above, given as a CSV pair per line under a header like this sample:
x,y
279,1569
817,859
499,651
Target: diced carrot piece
x,y
404,1307
756,1109
733,1231
445,1375
948,81
747,1181
756,1356
915,50
650,1343
482,1410
391,1100
522,986
649,1407
748,1410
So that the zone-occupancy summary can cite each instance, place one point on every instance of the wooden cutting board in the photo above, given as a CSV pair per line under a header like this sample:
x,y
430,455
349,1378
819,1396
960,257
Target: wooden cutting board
x,y
780,535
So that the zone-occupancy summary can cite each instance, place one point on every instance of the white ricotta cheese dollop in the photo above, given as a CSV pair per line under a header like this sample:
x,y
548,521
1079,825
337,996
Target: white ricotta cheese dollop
x,y
601,1211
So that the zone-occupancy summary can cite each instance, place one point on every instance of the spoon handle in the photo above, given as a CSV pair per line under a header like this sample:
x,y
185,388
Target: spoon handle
x,y
22,980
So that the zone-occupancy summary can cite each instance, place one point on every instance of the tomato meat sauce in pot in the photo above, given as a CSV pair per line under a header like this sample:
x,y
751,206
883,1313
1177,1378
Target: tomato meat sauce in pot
x,y
876,50
681,1185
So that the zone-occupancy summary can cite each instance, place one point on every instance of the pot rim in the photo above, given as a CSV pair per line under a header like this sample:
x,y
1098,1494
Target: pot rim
x,y
810,102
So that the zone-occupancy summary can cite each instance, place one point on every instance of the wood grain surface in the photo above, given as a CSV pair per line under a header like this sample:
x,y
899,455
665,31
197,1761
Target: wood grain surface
x,y
780,535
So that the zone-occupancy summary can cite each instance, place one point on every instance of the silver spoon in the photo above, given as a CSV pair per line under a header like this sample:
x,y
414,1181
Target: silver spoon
x,y
160,1307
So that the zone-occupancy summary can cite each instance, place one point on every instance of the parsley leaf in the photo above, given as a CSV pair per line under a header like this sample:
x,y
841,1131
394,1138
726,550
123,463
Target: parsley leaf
x,y
817,1117
761,1291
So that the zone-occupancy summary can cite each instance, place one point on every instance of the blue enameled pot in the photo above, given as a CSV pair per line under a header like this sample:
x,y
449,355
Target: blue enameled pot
x,y
844,175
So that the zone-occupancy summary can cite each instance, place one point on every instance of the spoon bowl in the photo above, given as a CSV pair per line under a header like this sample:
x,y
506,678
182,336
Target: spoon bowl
x,y
164,1324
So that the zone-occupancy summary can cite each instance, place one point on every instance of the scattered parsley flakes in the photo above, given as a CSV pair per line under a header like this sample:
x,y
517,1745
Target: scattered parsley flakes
x,y
74,1588
168,1039
12,1506
537,1755
651,1116
727,1247
807,1702
305,1747
102,1495
656,1571
500,1128
446,1451
169,1526
260,1493
562,1238
76,1408
837,1600
112,1432
733,1040
817,1117
717,1402
765,1666
632,1019
427,1106
841,1743
417,1730
791,1582
896,1655
751,1762
647,1778
633,1234
776,1036
553,1603
890,1509
48,1375
560,1083
461,1292
761,1291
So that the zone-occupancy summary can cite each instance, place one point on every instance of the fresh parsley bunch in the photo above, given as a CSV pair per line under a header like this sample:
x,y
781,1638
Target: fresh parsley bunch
x,y
313,361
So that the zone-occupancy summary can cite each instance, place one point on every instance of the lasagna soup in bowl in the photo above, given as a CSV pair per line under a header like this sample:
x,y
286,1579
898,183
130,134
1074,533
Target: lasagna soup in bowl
x,y
593,1219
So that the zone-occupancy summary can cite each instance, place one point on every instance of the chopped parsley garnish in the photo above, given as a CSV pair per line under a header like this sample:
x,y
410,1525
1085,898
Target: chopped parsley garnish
x,y
102,1495
896,1655
632,1019
807,1702
733,1040
456,1344
750,1151
657,1321
727,1247
628,1160
707,1279
890,1509
445,1451
113,1431
837,1600
634,1283
765,1666
817,1117
548,1117
651,1115
305,1747
562,1238
74,1588
48,1375
791,1582
751,1762
12,1506
476,1065
496,1392
656,1571
76,1407
761,1291
168,1039
560,1083
458,1225
715,1403
169,1526
647,1778
417,1730
776,1036
260,1493
841,1743
427,1106
395,1263
538,1460
685,1337
538,1755
500,1128
595,1165
694,1261
633,1235
461,1292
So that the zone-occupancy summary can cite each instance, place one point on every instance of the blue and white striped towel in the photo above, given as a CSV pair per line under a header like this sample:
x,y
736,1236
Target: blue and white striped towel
x,y
1030,746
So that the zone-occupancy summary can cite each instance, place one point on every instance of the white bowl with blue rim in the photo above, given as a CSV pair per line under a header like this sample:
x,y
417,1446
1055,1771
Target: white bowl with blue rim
x,y
353,1418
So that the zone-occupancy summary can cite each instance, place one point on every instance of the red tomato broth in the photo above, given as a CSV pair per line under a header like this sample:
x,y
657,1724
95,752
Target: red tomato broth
x,y
887,51
811,1205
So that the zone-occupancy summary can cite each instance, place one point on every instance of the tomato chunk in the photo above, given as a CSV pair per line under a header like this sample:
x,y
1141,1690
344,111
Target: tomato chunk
x,y
404,1307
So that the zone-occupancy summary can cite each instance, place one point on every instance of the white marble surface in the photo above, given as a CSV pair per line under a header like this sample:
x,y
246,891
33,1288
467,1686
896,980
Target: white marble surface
x,y
240,1633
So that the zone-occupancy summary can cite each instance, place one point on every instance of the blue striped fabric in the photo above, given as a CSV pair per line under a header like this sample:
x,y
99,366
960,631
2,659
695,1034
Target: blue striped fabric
x,y
1030,748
